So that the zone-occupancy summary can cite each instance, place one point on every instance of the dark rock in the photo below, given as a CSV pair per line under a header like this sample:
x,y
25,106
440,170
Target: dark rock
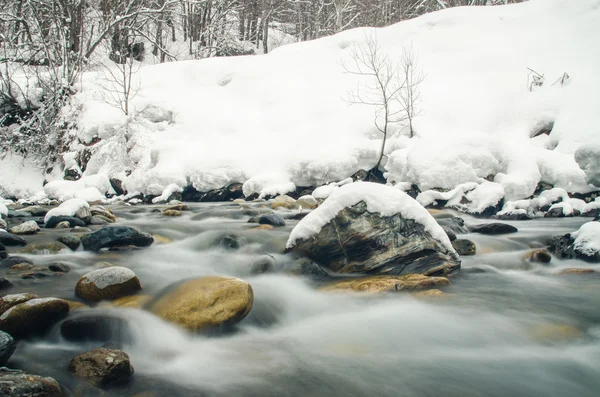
x,y
7,347
539,256
228,193
514,216
16,383
494,228
564,248
59,267
558,213
231,241
115,236
300,215
11,240
372,175
263,264
117,186
2,247
271,219
306,267
593,213
72,174
107,284
36,274
102,367
464,247
5,284
33,317
70,241
95,328
357,241
450,233
454,223
3,255
18,214
13,260
55,220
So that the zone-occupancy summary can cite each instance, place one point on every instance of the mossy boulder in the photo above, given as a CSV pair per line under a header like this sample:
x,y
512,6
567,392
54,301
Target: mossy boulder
x,y
33,317
107,284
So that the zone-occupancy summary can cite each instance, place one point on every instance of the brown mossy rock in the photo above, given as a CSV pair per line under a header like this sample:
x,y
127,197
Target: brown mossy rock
x,y
33,317
378,284
134,301
171,213
8,301
538,256
430,293
464,247
107,284
53,247
357,241
16,383
205,302
102,367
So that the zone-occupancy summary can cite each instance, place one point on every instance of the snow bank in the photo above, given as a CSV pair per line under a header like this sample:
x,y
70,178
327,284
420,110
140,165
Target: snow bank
x,y
94,187
381,199
19,177
587,238
68,208
3,210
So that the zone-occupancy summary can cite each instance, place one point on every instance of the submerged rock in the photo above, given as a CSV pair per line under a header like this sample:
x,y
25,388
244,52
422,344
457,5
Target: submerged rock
x,y
33,317
464,247
13,260
7,347
52,247
107,284
494,228
102,367
376,284
271,219
16,383
115,236
205,302
538,256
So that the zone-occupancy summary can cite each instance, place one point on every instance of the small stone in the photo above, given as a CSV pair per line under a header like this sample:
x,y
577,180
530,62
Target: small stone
x,y
16,383
79,229
539,256
494,228
464,247
107,284
307,202
161,239
179,207
102,367
171,213
35,210
7,347
103,212
271,219
59,267
22,266
263,264
70,241
33,317
263,227
430,293
115,236
63,225
5,284
43,248
450,233
99,220
3,224
378,284
12,261
25,228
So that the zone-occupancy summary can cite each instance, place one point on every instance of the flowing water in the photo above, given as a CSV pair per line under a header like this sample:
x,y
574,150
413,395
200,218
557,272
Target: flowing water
x,y
505,327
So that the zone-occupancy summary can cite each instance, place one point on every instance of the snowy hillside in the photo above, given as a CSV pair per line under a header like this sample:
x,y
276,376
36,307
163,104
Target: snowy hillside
x,y
281,120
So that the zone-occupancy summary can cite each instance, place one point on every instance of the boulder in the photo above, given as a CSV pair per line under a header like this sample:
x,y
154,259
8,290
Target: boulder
x,y
33,317
271,219
112,236
5,284
583,244
84,214
99,220
8,301
307,202
205,302
98,210
11,240
12,261
464,247
107,284
70,241
7,347
538,256
356,240
454,223
377,284
59,267
16,383
494,228
55,220
35,210
102,367
52,247
94,327
29,227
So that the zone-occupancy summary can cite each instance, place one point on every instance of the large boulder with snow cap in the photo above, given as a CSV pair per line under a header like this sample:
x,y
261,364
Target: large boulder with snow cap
x,y
369,228
115,236
583,244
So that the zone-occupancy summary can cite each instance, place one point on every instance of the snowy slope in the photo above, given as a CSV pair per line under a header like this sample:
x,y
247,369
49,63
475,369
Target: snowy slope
x,y
279,120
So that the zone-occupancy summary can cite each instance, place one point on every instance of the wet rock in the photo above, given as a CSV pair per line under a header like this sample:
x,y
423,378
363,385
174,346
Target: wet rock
x,y
79,229
538,256
3,224
576,270
308,268
5,284
99,210
25,228
307,202
228,193
52,247
102,367
33,317
84,214
283,201
179,207
494,228
63,225
7,347
8,301
262,264
35,210
36,274
22,266
94,327
271,219
70,241
2,247
115,236
11,240
55,220
171,213
514,216
135,301
16,383
558,212
59,267
358,241
107,284
450,233
205,302
565,248
18,214
99,220
12,261
454,223
464,247
378,284
3,255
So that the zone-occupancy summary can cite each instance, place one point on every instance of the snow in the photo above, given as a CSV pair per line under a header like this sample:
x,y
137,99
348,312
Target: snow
x,y
19,177
381,199
3,210
169,190
587,238
588,158
64,190
68,208
103,278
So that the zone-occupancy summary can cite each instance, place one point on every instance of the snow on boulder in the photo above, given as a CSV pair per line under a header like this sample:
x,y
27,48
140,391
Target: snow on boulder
x,y
269,184
68,208
89,194
64,190
582,244
167,193
588,159
370,228
107,284
3,210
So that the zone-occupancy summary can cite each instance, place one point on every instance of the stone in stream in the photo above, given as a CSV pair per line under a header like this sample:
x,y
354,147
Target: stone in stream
x,y
538,256
99,220
36,210
107,284
2,247
205,302
169,212
454,223
12,261
55,220
84,214
7,347
5,284
3,224
11,240
29,227
583,244
494,228
115,236
59,267
102,367
91,327
271,219
378,284
52,247
70,241
8,301
450,233
16,383
367,228
464,247
33,317
63,225
98,210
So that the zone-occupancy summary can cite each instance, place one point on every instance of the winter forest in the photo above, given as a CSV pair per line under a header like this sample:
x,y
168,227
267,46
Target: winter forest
x,y
292,198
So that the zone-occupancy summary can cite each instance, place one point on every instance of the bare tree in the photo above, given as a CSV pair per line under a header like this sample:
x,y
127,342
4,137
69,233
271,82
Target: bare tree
x,y
390,87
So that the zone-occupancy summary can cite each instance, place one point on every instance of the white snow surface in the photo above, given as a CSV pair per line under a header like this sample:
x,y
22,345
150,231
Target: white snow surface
x,y
68,208
381,199
103,278
82,188
3,210
587,238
